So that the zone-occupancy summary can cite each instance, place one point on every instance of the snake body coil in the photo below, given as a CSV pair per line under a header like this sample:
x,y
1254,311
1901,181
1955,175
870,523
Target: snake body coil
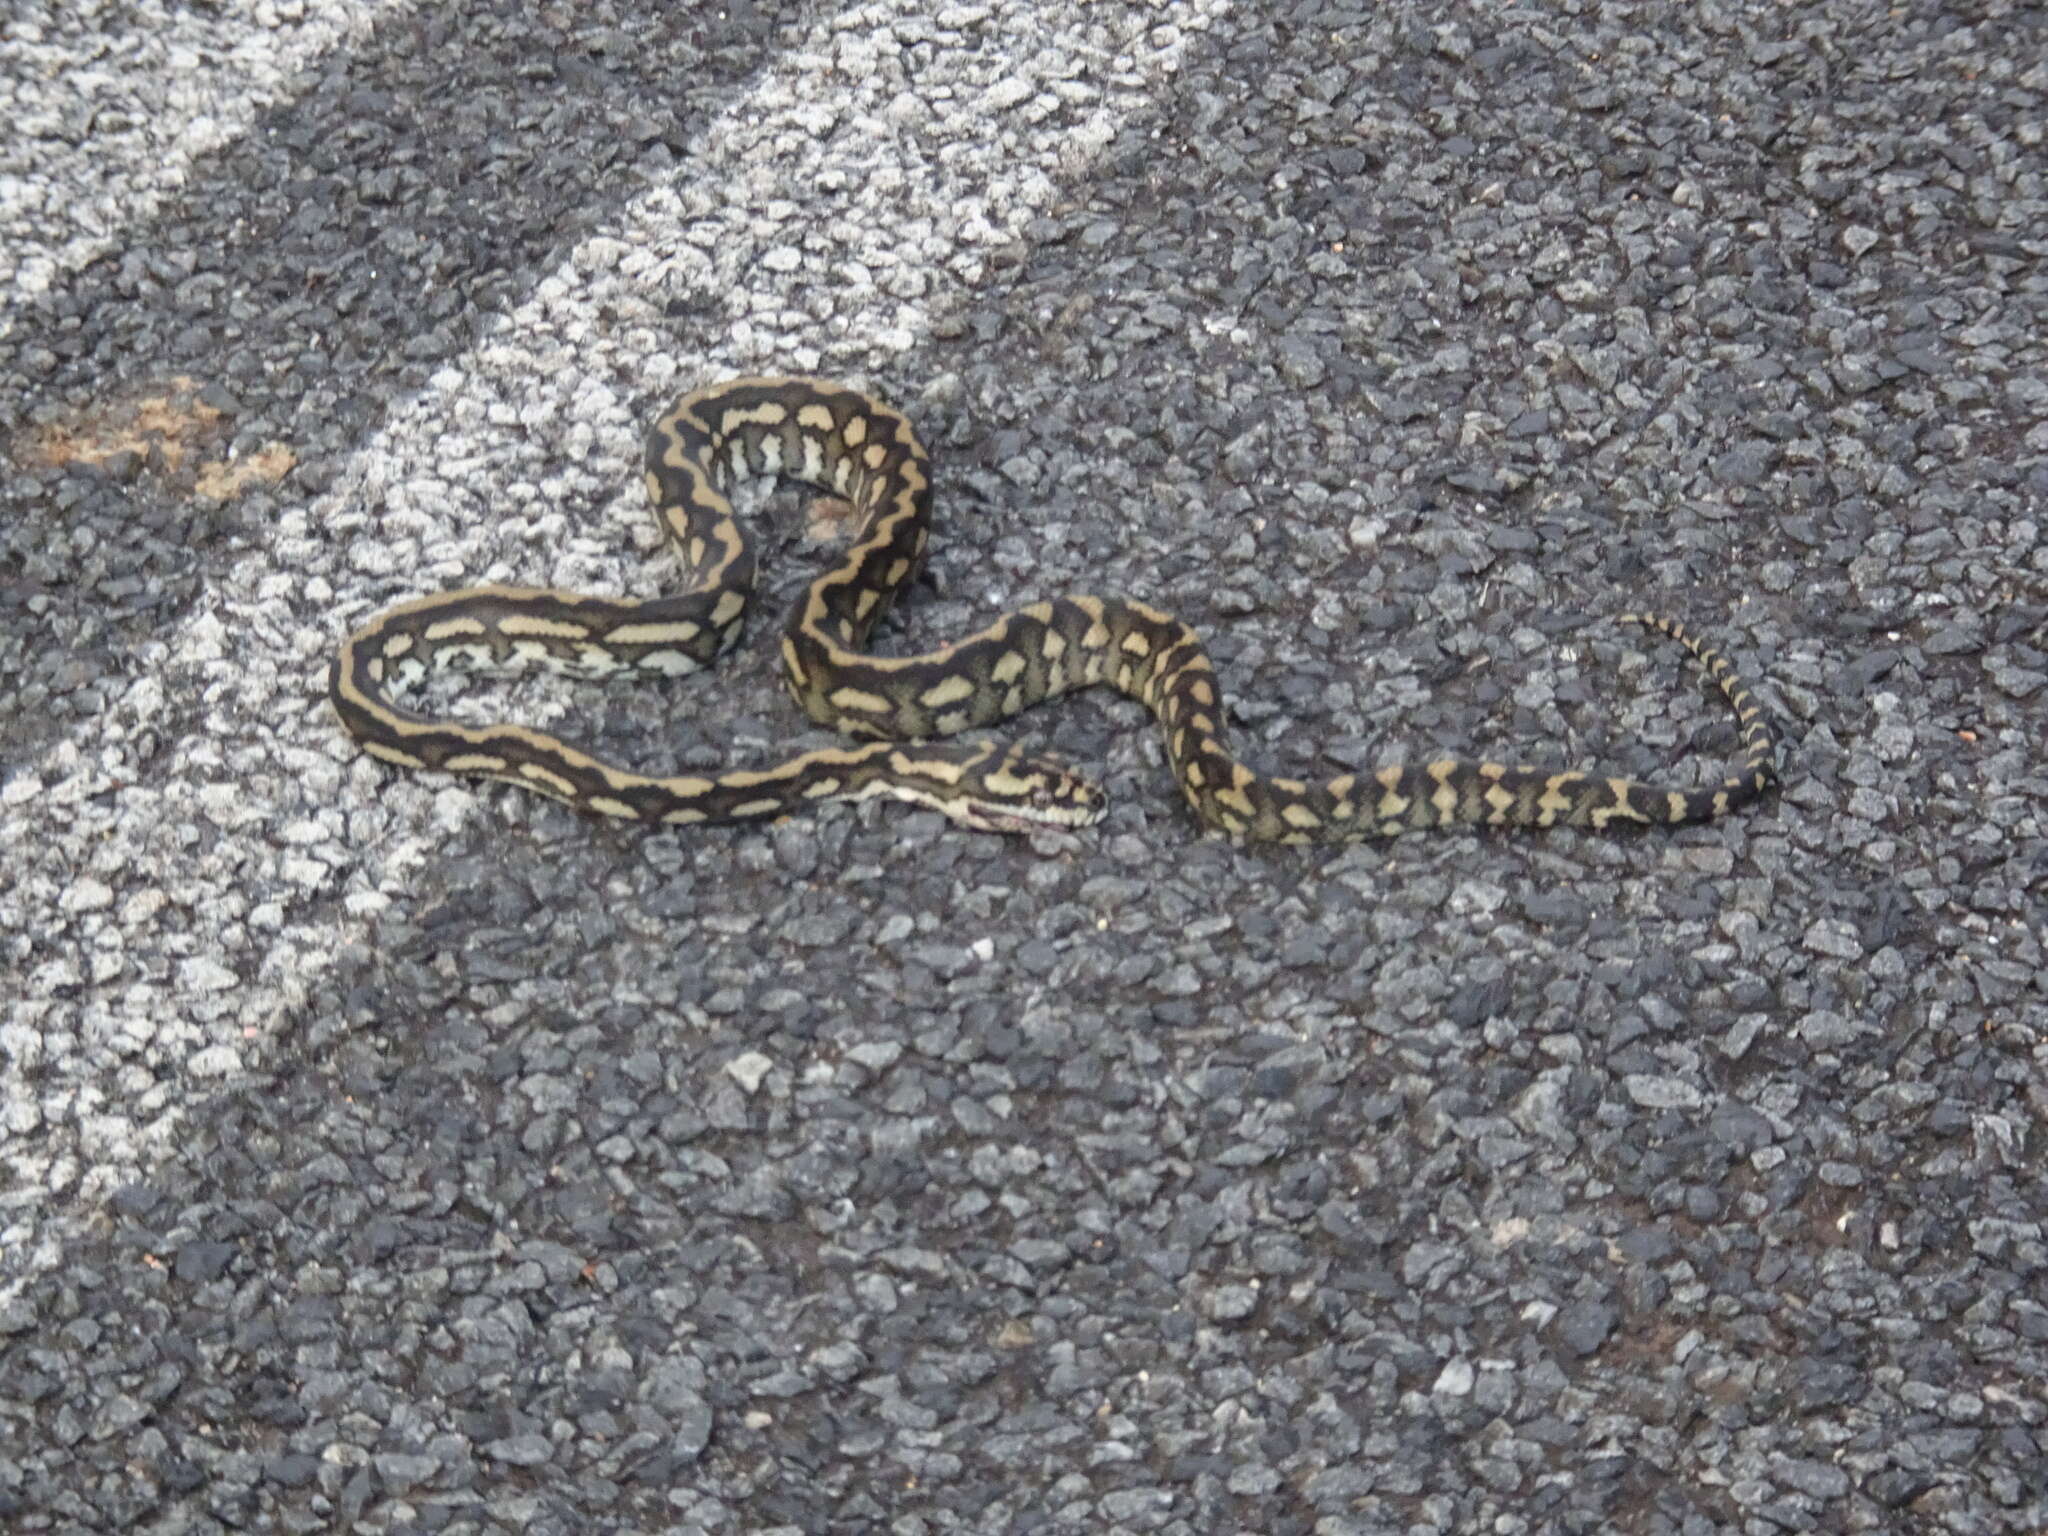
x,y
843,442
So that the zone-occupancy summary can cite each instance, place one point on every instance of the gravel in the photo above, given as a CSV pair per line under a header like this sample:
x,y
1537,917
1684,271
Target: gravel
x,y
396,1154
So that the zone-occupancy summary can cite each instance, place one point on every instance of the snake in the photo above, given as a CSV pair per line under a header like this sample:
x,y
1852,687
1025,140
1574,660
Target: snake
x,y
904,714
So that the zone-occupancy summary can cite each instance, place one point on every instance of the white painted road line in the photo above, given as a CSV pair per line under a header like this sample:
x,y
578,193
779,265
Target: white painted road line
x,y
104,122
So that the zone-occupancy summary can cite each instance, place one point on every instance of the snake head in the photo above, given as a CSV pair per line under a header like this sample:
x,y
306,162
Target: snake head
x,y
986,787
1022,793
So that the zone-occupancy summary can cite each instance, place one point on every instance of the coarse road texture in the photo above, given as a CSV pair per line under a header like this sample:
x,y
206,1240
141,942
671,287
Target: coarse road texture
x,y
393,1153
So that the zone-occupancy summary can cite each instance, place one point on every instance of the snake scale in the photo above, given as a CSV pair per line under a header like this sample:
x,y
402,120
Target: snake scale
x,y
845,443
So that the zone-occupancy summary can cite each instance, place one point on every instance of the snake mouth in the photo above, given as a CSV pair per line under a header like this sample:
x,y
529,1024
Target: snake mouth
x,y
999,822
1059,803
1044,811
981,816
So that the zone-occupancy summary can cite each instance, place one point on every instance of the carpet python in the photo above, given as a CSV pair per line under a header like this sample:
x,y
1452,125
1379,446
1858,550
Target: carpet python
x,y
856,448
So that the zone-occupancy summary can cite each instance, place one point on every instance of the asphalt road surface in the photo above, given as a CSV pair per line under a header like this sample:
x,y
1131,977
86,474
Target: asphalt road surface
x,y
398,1153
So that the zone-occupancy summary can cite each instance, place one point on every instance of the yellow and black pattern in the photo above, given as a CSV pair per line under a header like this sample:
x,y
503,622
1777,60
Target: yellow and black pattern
x,y
843,442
